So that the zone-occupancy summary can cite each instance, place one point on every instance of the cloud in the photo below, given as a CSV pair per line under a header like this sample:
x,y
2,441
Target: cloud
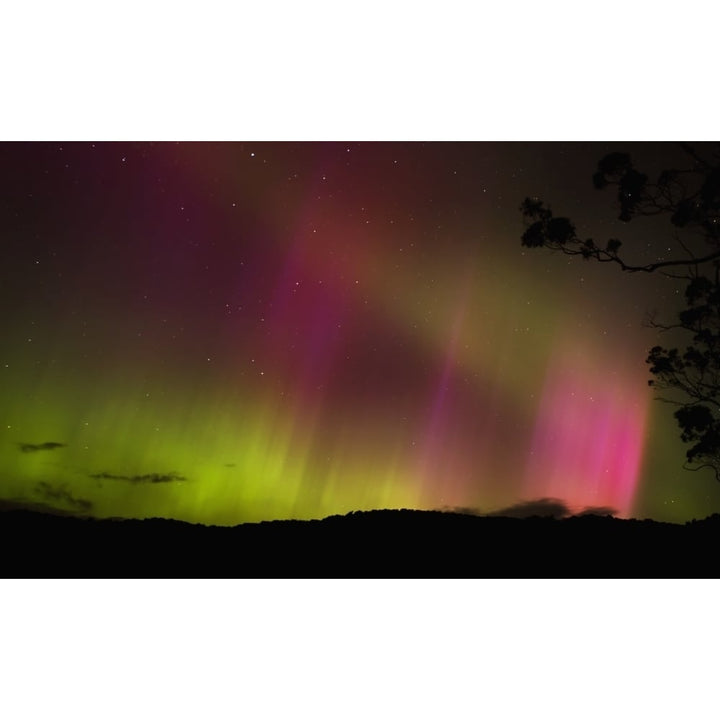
x,y
460,510
150,478
51,497
63,495
598,510
543,507
39,507
32,447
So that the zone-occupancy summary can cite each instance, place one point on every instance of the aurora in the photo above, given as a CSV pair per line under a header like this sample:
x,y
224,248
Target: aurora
x,y
234,332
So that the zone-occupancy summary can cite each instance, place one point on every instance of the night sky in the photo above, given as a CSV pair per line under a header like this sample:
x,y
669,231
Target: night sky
x,y
246,331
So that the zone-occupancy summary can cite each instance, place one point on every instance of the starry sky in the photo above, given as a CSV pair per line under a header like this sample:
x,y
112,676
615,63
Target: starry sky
x,y
227,332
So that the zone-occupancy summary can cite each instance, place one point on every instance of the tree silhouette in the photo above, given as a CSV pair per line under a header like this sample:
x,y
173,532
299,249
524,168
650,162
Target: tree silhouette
x,y
689,199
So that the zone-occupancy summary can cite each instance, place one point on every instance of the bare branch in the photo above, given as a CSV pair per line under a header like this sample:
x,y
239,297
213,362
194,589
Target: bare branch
x,y
604,257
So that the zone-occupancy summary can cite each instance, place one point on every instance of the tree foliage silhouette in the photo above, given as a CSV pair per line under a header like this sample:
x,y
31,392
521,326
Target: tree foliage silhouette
x,y
689,199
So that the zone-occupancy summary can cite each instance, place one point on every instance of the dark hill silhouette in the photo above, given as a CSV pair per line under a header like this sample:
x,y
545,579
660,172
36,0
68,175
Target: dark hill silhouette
x,y
380,543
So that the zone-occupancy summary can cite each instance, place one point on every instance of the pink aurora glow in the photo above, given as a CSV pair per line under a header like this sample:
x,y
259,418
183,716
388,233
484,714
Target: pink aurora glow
x,y
587,444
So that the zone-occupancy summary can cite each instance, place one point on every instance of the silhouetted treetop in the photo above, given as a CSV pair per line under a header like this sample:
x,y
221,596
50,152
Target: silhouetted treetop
x,y
689,198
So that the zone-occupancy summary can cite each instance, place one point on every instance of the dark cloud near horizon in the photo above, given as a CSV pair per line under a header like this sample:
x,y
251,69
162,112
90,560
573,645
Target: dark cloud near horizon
x,y
63,495
34,506
150,478
548,507
598,510
38,447
50,497
460,510
543,507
